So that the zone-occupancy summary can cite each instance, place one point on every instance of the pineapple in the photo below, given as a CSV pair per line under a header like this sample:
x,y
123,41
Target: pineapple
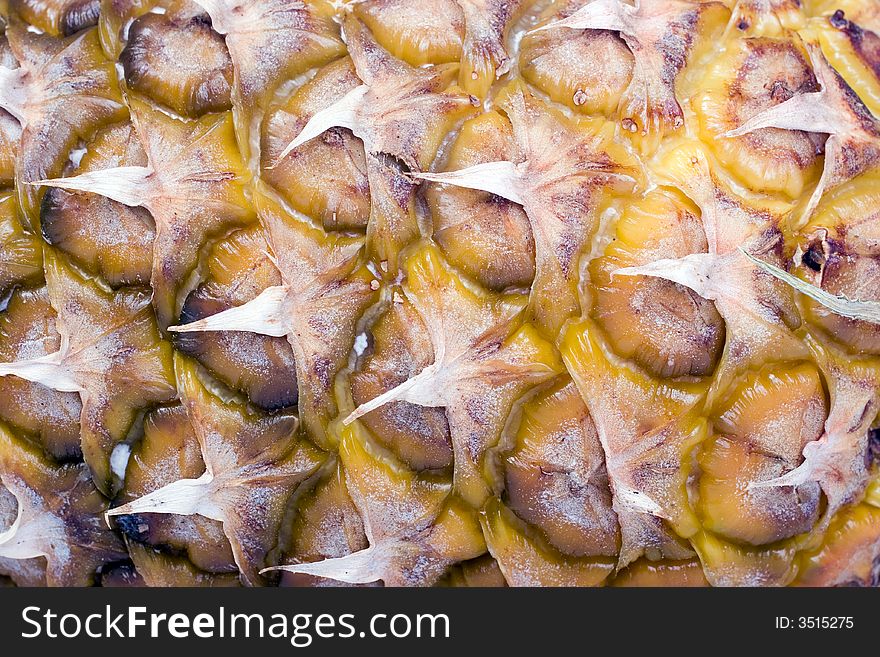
x,y
457,293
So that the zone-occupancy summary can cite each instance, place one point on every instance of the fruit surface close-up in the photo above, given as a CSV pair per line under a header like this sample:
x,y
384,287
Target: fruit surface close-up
x,y
439,293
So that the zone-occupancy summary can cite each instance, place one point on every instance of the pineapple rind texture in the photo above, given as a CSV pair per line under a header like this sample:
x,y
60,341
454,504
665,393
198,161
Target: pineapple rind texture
x,y
453,293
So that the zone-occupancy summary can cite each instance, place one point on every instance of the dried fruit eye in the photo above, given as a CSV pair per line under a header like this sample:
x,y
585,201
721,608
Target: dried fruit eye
x,y
813,257
555,479
484,235
325,178
104,236
260,366
157,62
659,324
587,71
58,17
401,349
753,76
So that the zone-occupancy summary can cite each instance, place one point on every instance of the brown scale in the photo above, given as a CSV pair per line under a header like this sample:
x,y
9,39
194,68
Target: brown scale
x,y
416,32
110,352
836,110
326,178
662,36
27,330
254,464
21,256
105,236
327,526
158,61
587,71
663,326
555,476
122,576
840,253
840,461
60,515
761,430
402,115
56,117
751,76
400,349
414,527
484,235
260,366
564,173
270,42
847,273
325,288
58,17
648,428
168,451
482,359
193,185
759,312
398,110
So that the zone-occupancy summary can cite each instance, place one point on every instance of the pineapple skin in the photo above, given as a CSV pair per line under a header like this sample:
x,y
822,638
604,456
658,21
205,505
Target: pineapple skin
x,y
465,293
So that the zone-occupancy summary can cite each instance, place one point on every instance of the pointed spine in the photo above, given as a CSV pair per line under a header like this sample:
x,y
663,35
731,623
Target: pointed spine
x,y
49,371
804,112
693,271
341,114
500,178
184,497
422,389
263,314
361,567
130,186
800,475
866,311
